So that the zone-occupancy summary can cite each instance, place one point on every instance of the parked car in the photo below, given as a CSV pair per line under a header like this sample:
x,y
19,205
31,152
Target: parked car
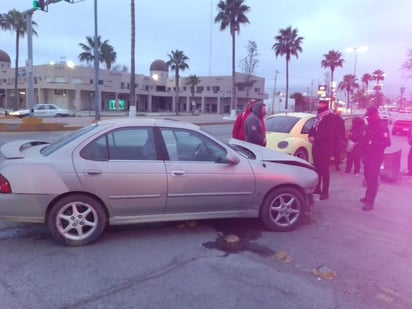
x,y
288,133
402,125
385,116
43,110
123,171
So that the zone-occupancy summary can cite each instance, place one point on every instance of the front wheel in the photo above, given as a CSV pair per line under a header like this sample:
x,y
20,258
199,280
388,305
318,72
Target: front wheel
x,y
77,220
302,153
282,209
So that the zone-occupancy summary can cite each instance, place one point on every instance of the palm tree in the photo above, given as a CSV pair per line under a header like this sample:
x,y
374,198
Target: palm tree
x,y
15,21
177,62
192,81
366,78
288,43
232,14
332,60
348,84
378,75
132,111
106,52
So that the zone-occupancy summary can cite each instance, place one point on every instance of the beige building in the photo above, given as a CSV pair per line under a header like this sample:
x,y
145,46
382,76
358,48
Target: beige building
x,y
73,88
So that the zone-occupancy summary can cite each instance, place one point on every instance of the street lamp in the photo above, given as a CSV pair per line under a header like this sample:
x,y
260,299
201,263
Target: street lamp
x,y
356,50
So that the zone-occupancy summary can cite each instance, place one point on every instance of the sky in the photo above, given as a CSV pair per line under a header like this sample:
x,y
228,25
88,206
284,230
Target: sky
x,y
383,27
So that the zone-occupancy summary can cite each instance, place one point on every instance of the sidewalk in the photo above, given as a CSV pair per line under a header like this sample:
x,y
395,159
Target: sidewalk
x,y
85,118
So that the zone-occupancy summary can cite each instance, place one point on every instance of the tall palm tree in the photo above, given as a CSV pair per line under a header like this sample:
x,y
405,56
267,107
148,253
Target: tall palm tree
x,y
366,78
378,75
332,60
106,52
177,62
15,21
232,14
288,43
132,62
348,84
192,81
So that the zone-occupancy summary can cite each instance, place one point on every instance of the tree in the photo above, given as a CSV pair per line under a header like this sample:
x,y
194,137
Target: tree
x,y
107,55
232,14
348,84
15,21
366,78
378,75
132,111
249,64
177,62
288,43
407,65
192,81
332,60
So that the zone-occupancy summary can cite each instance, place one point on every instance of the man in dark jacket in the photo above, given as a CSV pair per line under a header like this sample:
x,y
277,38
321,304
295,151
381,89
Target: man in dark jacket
x,y
375,141
254,129
322,136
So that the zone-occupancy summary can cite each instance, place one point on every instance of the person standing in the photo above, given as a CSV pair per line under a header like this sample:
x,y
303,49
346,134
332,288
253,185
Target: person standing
x,y
409,172
254,125
339,142
353,156
322,136
238,130
375,141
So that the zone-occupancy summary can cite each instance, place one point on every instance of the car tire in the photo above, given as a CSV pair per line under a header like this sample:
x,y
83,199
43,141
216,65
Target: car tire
x,y
302,153
77,220
282,209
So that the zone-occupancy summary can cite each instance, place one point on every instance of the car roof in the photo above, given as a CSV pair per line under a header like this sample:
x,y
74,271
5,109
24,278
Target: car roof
x,y
294,114
148,122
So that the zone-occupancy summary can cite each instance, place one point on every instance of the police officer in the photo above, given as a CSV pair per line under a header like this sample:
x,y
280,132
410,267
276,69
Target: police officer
x,y
322,136
374,142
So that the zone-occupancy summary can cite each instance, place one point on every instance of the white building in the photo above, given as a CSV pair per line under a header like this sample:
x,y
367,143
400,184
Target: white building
x,y
73,88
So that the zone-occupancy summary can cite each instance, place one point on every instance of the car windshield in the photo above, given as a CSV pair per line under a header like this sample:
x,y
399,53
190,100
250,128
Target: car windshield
x,y
281,124
65,140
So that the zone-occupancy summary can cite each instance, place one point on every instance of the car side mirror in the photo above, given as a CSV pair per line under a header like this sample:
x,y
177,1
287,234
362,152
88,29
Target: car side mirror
x,y
229,159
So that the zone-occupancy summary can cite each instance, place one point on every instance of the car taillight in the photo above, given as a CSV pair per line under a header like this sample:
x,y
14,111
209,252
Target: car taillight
x,y
4,185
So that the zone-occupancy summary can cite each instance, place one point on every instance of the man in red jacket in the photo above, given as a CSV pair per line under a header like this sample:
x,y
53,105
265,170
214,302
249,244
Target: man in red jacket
x,y
238,130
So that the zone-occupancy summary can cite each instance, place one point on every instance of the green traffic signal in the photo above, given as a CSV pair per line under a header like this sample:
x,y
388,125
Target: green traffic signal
x,y
39,5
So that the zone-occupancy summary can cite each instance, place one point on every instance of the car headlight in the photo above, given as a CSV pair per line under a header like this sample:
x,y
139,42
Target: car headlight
x,y
283,144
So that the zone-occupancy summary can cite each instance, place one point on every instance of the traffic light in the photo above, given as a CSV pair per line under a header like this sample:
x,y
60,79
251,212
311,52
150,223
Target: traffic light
x,y
39,5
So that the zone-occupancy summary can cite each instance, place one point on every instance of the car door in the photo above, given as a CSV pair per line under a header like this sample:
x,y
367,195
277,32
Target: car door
x,y
121,168
40,110
198,182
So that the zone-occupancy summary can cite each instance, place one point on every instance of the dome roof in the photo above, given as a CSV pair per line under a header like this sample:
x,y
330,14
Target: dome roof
x,y
4,57
159,65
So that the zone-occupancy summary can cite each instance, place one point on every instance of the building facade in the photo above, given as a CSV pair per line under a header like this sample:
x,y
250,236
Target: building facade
x,y
73,88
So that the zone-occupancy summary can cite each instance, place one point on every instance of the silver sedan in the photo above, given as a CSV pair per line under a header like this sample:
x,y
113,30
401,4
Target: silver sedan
x,y
123,171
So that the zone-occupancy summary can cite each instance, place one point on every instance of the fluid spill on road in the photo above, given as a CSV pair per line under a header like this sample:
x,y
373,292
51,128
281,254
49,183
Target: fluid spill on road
x,y
246,231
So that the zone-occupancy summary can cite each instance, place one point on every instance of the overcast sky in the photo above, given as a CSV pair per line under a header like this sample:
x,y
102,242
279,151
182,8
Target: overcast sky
x,y
383,26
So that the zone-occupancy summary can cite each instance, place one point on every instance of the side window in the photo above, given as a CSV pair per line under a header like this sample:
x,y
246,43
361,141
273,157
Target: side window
x,y
308,125
186,145
122,144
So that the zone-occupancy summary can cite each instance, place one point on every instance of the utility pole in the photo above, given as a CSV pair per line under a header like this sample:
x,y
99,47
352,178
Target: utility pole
x,y
274,92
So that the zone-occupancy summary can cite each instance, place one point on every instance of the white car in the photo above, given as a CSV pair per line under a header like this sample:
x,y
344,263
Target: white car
x,y
43,110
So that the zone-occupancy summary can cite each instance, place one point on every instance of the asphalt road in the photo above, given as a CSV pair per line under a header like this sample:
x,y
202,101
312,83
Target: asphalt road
x,y
340,257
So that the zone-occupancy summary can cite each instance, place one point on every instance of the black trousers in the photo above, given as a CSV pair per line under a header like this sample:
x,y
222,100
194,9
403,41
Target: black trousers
x,y
321,160
372,167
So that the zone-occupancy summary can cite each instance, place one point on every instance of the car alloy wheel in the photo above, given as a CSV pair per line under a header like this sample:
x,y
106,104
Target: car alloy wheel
x,y
77,220
282,209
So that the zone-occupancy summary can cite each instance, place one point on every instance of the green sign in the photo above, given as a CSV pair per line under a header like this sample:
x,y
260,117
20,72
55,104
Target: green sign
x,y
119,105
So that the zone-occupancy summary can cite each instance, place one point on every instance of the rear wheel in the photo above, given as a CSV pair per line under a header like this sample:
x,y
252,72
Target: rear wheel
x,y
282,209
301,153
77,220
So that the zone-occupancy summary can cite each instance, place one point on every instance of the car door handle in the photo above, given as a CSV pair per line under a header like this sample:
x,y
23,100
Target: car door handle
x,y
178,173
93,172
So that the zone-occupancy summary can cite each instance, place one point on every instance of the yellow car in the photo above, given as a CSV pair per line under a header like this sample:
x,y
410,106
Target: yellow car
x,y
288,133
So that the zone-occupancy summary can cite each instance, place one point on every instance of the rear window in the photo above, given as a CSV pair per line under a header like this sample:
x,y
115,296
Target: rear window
x,y
281,124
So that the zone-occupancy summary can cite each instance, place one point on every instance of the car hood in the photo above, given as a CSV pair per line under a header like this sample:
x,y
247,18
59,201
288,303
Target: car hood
x,y
268,155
